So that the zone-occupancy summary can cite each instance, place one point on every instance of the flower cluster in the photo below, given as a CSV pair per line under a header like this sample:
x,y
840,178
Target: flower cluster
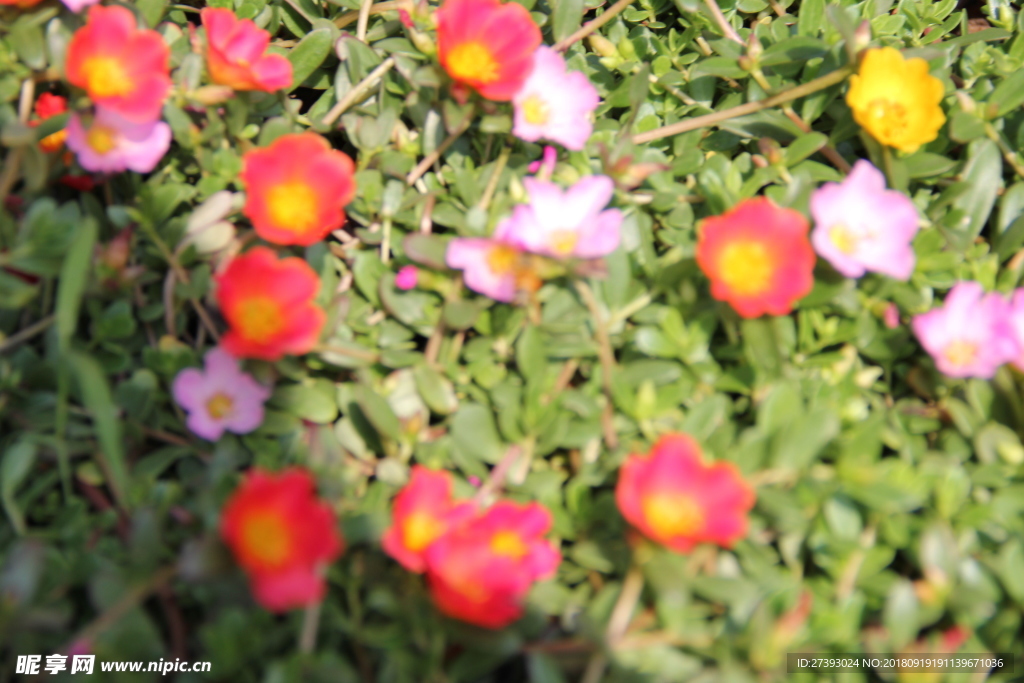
x,y
494,48
479,564
282,536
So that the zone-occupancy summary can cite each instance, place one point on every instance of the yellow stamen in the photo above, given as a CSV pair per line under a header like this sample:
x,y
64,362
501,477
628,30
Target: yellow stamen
x,y
106,77
746,267
536,111
472,62
219,406
101,138
502,259
673,515
508,544
259,318
564,241
961,353
889,119
844,238
419,530
265,537
293,206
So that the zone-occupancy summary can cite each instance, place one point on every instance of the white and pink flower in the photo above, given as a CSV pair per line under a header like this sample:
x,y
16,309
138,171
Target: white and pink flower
x,y
555,104
221,398
111,143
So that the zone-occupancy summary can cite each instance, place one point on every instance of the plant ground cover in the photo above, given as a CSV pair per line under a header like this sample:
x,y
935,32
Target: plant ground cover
x,y
476,342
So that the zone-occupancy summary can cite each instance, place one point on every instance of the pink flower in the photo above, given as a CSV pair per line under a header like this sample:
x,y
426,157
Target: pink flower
x,y
861,226
971,334
78,5
555,104
112,143
407,277
222,398
565,223
546,163
492,267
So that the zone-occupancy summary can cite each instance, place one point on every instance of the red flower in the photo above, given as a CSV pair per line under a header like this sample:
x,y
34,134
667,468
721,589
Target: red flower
x,y
487,45
671,496
268,304
423,511
758,257
282,536
481,571
296,189
120,66
49,105
235,53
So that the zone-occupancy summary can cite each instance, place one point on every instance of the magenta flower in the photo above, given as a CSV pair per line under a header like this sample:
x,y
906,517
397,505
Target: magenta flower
x,y
555,104
78,5
971,334
546,164
861,226
566,223
221,398
112,144
407,277
492,267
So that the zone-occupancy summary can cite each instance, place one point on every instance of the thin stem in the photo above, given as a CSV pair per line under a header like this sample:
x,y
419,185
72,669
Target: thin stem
x,y
348,17
604,349
828,151
618,622
1008,153
492,182
351,353
820,83
497,477
358,91
363,21
26,334
593,25
310,626
130,599
722,22
429,160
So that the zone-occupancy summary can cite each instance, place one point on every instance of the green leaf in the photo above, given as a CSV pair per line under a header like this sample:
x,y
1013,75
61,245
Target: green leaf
x,y
378,412
1007,96
566,17
28,42
309,54
984,174
475,435
427,250
804,146
14,467
152,11
99,402
313,400
435,389
74,274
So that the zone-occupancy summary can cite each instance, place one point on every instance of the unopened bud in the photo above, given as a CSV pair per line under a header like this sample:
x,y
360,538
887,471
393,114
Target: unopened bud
x,y
210,95
754,48
422,41
746,63
771,150
602,46
862,36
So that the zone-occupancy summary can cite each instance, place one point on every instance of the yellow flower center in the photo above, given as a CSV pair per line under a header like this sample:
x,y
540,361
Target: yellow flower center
x,y
564,241
259,318
844,238
293,206
536,111
961,353
502,259
101,138
472,62
673,515
219,406
419,530
508,544
106,77
266,539
888,120
746,267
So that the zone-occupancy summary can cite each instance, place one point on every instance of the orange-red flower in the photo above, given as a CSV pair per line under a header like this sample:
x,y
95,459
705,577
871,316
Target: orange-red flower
x,y
423,511
282,536
296,189
487,45
120,66
671,496
49,105
235,53
758,257
481,570
268,304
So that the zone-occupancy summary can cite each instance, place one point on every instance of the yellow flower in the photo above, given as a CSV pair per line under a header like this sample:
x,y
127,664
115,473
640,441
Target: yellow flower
x,y
896,99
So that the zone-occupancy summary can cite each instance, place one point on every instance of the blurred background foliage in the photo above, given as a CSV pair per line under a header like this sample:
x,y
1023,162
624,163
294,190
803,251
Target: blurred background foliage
x,y
889,497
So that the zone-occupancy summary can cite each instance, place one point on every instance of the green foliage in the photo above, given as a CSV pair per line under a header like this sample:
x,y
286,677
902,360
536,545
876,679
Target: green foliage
x,y
890,498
